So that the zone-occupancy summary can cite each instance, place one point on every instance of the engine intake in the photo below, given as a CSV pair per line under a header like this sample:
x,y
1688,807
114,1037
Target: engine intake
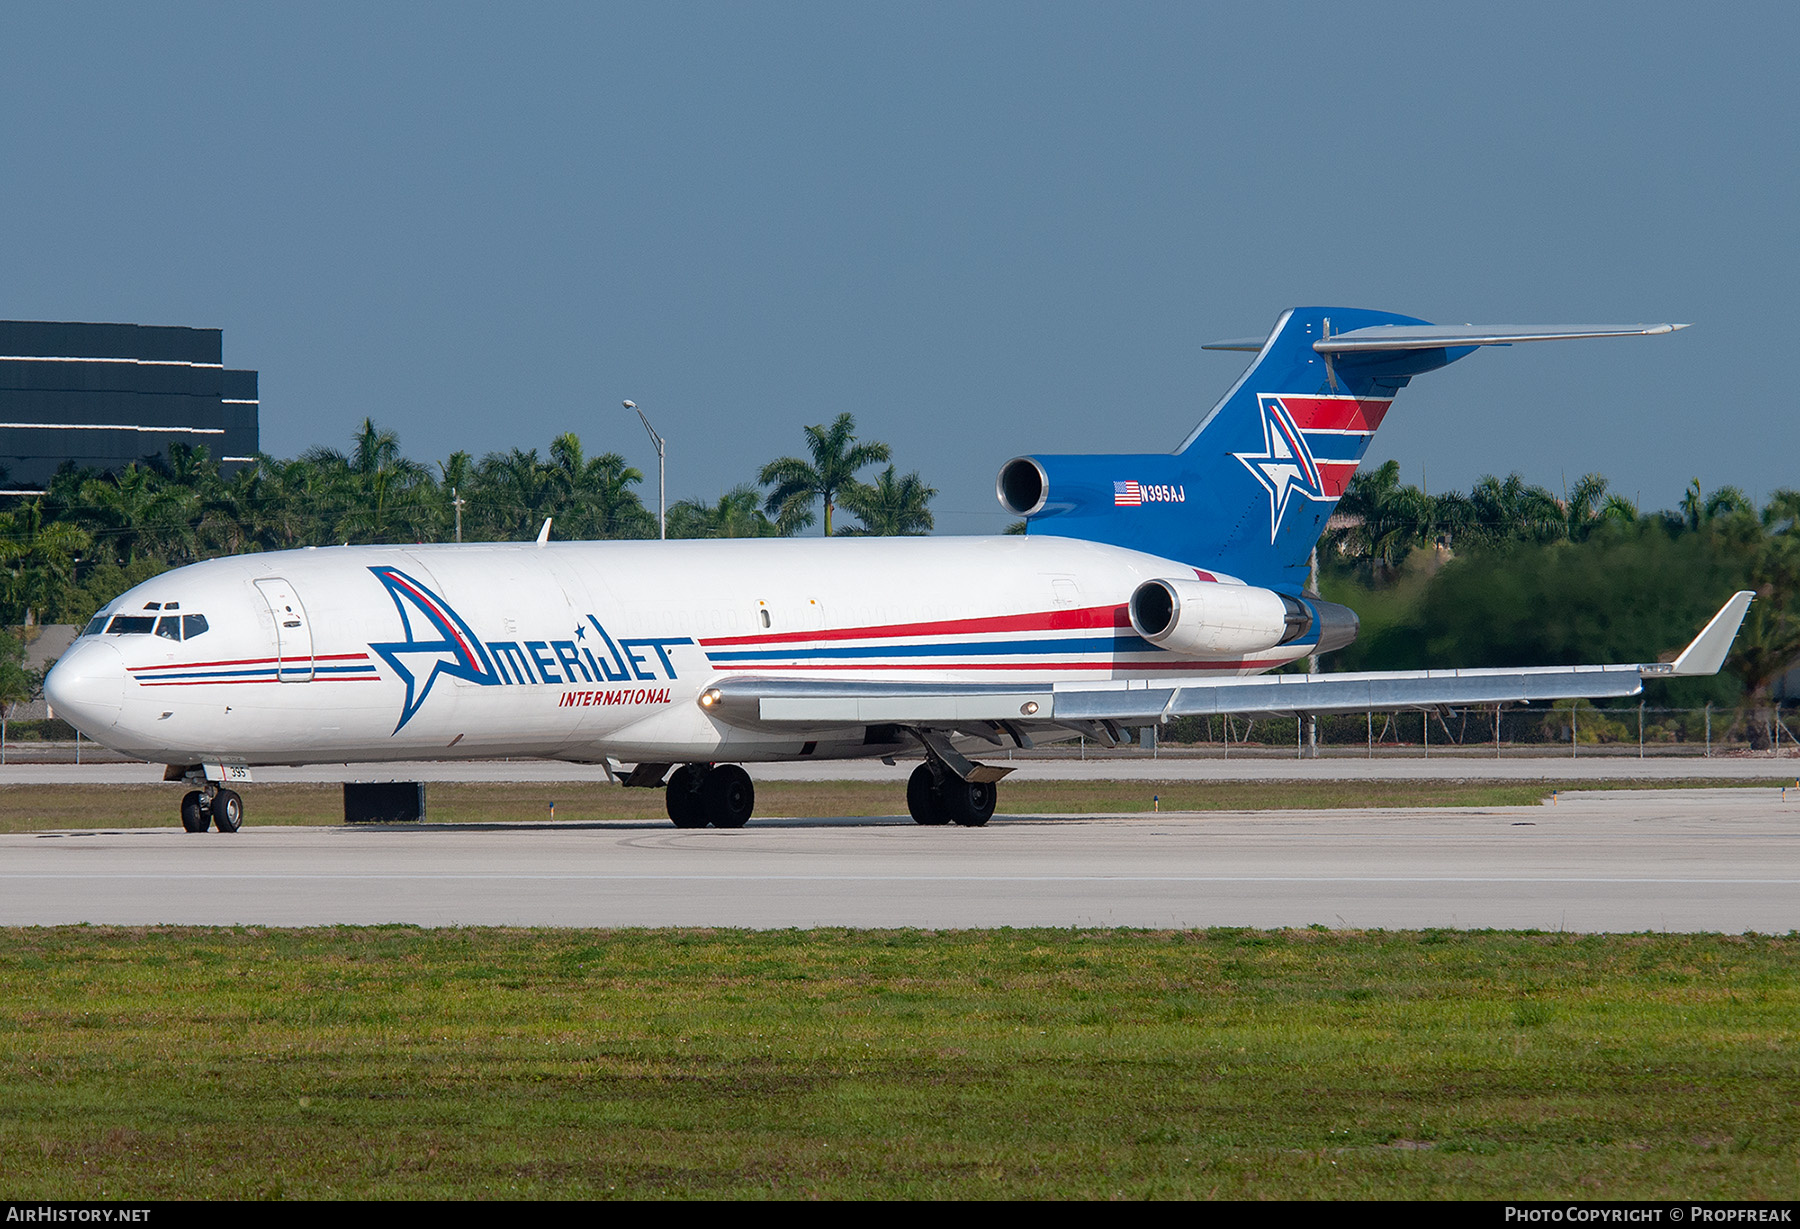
x,y
1022,486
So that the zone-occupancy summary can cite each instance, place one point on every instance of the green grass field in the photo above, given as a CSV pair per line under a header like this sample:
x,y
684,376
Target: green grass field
x,y
395,1062
33,808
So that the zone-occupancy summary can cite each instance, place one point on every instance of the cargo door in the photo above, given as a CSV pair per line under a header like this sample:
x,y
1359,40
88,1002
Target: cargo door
x,y
293,631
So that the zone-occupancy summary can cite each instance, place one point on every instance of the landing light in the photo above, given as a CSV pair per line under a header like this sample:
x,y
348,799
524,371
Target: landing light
x,y
710,697
1029,708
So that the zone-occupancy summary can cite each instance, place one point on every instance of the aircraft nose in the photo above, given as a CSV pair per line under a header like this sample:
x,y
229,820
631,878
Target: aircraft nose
x,y
86,688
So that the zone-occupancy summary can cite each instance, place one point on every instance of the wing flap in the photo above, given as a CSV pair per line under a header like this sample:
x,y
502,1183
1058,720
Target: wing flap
x,y
925,707
1330,693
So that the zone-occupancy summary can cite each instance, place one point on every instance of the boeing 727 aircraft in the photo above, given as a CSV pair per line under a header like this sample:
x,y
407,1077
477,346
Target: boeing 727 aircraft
x,y
1147,587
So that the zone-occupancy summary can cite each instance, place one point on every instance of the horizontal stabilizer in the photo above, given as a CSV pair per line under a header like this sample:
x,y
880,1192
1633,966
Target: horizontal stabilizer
x,y
1434,336
1252,344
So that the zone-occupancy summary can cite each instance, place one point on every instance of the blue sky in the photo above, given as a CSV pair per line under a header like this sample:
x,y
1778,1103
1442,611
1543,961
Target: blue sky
x,y
984,229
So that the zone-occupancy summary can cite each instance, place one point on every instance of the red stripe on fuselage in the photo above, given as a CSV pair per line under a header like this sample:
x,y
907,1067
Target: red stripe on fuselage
x,y
267,678
1335,413
1038,621
952,667
248,661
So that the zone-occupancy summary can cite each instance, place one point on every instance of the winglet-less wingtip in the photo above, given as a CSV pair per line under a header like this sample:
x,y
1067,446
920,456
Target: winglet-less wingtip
x,y
1707,653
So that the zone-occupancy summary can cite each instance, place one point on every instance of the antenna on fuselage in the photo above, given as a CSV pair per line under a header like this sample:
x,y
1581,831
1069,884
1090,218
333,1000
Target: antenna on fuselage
x,y
544,533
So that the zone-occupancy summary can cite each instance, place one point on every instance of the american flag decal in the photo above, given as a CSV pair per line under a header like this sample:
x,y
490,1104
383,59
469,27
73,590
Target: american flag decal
x,y
1127,495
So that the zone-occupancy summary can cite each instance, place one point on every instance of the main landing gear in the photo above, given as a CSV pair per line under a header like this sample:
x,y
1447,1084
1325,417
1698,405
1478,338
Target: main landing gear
x,y
936,795
211,806
702,794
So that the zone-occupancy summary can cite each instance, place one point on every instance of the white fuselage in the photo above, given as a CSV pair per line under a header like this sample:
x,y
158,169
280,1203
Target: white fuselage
x,y
584,650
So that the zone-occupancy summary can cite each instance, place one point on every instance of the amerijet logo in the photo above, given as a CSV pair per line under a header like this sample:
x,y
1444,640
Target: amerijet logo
x,y
437,642
1285,466
440,642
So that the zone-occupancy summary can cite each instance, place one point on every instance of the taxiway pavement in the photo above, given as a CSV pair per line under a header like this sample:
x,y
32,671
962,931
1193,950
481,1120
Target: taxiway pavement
x,y
1140,767
1676,860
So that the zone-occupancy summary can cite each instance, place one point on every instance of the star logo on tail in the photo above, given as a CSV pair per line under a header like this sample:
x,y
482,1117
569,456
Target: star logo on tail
x,y
1285,466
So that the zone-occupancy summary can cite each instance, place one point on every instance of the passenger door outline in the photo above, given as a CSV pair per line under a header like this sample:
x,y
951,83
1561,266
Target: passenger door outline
x,y
293,630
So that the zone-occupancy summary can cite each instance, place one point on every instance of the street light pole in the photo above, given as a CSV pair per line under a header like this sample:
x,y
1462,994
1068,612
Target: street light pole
x,y
662,496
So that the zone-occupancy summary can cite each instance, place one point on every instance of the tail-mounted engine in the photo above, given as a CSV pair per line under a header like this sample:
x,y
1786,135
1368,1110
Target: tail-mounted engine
x,y
1071,488
1208,619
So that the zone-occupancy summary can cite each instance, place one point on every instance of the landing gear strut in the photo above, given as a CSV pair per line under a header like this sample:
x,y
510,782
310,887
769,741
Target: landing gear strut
x,y
701,794
210,806
936,796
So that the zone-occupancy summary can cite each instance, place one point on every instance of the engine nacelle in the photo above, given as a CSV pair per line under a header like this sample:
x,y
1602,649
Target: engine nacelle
x,y
1207,619
1073,489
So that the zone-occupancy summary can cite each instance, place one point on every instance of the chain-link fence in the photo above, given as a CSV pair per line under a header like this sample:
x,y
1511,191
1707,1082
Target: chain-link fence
x,y
1567,728
1571,729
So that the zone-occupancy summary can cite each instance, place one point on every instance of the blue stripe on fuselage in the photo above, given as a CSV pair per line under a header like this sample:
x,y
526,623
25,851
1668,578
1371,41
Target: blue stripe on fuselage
x,y
1008,648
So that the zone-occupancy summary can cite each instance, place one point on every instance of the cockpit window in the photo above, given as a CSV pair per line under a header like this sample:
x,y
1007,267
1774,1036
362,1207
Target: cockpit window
x,y
168,626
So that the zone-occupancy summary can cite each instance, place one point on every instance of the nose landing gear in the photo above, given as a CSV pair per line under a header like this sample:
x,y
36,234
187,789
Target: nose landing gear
x,y
209,806
227,811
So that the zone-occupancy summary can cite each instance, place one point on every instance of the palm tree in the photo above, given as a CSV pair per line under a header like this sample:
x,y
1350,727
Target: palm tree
x,y
375,494
1766,647
891,507
1768,644
513,491
1513,510
457,473
736,515
1618,509
1379,520
136,513
38,556
1585,507
1699,509
17,684
593,495
287,506
376,449
835,459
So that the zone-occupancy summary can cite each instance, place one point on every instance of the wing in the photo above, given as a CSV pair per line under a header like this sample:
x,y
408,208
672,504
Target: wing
x,y
986,709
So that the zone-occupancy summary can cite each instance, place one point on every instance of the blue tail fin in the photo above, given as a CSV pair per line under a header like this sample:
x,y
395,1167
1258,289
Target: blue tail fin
x,y
1250,490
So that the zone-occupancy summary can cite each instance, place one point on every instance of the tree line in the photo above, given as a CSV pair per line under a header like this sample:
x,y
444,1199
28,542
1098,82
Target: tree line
x,y
1511,574
92,535
1506,573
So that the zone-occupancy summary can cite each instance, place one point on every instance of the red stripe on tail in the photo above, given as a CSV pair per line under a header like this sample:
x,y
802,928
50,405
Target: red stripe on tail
x,y
1335,413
